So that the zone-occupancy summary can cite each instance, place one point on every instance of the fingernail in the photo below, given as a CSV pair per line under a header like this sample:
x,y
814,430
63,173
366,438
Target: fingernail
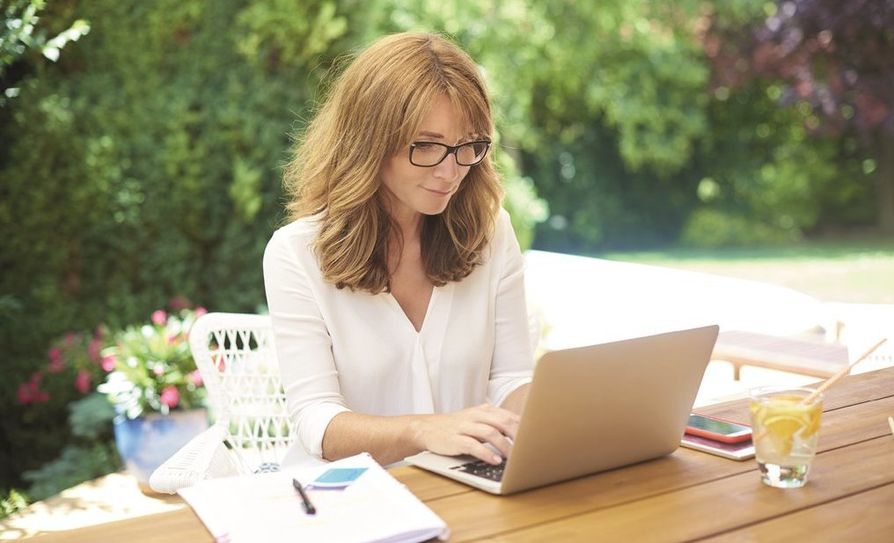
x,y
497,459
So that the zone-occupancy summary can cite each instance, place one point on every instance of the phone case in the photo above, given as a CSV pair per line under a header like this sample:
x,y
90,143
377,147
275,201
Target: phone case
x,y
700,432
733,451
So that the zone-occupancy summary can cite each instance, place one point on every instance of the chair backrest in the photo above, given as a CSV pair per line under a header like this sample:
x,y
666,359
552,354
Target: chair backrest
x,y
236,357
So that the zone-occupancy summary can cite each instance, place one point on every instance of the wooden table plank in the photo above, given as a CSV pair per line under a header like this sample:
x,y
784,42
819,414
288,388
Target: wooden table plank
x,y
180,525
725,504
480,514
852,390
427,486
865,516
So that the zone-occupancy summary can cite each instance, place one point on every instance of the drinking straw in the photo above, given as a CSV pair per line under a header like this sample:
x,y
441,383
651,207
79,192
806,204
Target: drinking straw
x,y
841,373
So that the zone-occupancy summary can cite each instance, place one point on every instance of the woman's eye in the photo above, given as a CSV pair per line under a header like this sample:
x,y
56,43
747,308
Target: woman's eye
x,y
423,146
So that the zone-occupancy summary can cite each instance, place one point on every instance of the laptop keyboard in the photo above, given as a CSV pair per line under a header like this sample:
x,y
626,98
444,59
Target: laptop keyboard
x,y
483,469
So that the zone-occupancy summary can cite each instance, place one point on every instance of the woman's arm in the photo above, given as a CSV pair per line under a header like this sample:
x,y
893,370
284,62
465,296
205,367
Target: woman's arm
x,y
390,439
513,357
515,402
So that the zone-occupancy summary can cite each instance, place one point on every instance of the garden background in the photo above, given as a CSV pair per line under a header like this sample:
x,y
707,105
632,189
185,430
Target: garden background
x,y
141,147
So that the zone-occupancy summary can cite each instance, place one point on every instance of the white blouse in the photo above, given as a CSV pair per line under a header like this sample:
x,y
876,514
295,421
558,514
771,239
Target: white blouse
x,y
342,350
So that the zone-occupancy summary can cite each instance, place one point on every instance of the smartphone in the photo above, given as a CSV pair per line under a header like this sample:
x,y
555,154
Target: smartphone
x,y
720,430
734,451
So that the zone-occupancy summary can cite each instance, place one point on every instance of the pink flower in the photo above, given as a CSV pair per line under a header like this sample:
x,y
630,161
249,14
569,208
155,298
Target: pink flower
x,y
200,311
108,362
158,370
170,396
25,394
159,317
70,339
29,392
82,382
93,349
56,364
196,378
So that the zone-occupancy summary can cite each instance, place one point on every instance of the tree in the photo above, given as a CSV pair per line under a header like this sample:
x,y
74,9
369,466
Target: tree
x,y
837,58
601,103
23,32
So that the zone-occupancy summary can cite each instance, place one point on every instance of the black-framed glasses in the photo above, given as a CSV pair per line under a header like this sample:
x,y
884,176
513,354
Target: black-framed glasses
x,y
431,153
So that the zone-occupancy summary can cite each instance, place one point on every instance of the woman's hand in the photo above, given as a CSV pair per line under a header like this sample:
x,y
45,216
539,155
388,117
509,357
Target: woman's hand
x,y
469,431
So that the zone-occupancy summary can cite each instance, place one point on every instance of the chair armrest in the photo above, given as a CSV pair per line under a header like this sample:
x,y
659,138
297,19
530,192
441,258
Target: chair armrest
x,y
203,457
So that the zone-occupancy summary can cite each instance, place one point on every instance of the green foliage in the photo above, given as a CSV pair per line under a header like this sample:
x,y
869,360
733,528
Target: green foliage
x,y
76,464
91,417
90,454
596,201
67,371
21,31
13,502
713,228
525,208
761,172
272,30
145,165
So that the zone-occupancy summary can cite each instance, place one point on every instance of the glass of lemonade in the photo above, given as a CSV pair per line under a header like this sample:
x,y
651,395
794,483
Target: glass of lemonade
x,y
785,433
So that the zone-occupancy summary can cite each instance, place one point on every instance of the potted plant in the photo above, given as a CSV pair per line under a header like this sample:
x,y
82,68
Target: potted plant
x,y
156,389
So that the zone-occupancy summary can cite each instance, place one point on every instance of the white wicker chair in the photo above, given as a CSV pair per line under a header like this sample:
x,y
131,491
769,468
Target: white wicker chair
x,y
252,431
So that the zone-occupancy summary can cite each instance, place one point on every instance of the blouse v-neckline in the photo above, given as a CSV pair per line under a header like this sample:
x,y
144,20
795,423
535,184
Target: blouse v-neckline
x,y
425,318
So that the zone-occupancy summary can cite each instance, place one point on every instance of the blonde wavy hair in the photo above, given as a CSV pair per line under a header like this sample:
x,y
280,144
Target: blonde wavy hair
x,y
373,110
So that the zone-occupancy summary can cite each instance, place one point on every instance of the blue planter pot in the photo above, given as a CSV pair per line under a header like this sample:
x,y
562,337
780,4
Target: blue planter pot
x,y
145,443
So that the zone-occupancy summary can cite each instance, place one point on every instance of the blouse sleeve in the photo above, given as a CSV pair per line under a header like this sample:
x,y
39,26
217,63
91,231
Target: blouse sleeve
x,y
513,358
303,344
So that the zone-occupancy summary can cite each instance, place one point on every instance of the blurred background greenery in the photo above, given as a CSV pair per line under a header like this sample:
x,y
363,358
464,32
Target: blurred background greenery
x,y
141,145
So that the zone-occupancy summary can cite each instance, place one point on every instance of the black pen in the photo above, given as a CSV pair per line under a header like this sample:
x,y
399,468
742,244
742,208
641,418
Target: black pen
x,y
308,507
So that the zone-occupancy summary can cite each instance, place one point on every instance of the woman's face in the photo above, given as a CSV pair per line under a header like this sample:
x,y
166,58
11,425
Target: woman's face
x,y
412,191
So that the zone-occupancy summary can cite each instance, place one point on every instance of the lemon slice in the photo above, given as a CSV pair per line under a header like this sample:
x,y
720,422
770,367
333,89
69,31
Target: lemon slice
x,y
813,422
782,429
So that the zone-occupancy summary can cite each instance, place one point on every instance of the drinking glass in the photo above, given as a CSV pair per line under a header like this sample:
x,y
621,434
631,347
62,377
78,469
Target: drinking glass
x,y
786,429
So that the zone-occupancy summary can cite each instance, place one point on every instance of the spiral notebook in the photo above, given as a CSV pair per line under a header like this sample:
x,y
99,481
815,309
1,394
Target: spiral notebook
x,y
368,505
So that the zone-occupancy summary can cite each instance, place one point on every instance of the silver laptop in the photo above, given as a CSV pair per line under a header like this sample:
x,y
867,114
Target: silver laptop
x,y
594,408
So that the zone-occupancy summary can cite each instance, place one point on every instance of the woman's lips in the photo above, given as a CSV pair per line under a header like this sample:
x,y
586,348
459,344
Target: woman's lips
x,y
439,192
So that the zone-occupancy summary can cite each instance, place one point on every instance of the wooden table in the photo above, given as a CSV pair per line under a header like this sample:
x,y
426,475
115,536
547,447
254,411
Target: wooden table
x,y
684,496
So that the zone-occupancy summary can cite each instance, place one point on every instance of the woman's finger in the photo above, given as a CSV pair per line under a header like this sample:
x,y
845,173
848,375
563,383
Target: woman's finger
x,y
485,433
505,421
479,450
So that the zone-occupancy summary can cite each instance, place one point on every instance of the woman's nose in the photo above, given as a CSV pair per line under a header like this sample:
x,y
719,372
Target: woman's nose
x,y
448,167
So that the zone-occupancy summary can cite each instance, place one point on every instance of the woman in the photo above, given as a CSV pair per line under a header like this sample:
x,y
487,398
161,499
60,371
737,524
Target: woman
x,y
397,292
